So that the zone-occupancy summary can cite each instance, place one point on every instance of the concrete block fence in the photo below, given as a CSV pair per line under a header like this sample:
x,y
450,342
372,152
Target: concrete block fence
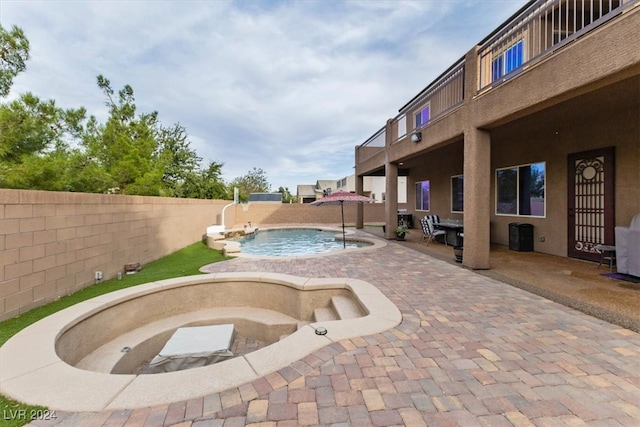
x,y
52,243
270,213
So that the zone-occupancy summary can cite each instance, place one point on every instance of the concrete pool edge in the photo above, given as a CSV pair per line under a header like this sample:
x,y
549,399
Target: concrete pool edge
x,y
232,248
32,372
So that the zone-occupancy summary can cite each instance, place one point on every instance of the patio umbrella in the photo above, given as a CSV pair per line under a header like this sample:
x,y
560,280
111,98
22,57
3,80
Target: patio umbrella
x,y
342,197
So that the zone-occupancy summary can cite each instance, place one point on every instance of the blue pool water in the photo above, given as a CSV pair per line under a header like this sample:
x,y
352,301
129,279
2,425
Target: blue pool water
x,y
293,241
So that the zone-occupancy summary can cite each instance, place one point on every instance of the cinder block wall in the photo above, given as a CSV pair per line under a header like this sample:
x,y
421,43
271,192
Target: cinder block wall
x,y
276,213
52,243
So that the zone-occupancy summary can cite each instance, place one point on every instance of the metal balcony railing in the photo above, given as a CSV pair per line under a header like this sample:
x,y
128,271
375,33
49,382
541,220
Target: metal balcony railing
x,y
539,30
371,146
440,97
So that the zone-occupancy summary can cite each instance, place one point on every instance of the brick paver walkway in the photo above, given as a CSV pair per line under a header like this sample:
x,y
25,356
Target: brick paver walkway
x,y
470,351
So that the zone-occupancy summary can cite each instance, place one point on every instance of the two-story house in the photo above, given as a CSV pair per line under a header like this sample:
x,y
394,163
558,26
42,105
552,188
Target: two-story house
x,y
539,124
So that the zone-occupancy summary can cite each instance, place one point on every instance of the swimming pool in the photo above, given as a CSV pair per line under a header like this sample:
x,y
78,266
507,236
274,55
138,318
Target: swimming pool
x,y
294,242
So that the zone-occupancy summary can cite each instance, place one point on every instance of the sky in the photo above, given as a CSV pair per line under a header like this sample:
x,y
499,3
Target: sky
x,y
290,87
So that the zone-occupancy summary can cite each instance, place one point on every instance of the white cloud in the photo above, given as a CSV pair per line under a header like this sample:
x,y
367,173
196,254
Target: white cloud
x,y
287,86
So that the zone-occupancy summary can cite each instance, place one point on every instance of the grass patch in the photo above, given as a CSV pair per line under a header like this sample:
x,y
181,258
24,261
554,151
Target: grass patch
x,y
185,262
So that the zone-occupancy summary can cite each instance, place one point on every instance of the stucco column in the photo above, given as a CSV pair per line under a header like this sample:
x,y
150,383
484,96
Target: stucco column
x,y
391,199
360,206
477,201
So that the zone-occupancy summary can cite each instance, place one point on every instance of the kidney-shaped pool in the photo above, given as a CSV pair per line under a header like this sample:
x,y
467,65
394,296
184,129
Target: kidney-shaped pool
x,y
278,242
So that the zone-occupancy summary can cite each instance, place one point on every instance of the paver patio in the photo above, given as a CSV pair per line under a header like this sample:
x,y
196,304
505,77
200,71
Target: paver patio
x,y
470,351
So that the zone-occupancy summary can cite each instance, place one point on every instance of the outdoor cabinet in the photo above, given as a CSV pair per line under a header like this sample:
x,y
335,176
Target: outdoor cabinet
x,y
520,237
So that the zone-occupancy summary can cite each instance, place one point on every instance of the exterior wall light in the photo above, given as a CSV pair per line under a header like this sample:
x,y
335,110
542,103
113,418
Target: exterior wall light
x,y
416,137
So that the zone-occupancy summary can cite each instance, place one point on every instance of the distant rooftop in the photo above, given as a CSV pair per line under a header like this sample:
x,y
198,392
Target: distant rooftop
x,y
265,197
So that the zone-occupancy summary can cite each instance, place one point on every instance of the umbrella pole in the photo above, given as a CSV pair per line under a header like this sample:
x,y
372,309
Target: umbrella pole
x,y
344,242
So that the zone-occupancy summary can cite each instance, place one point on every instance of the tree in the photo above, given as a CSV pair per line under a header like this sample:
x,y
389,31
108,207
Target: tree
x,y
14,53
29,125
255,181
287,197
205,183
126,144
131,151
34,140
177,161
144,157
59,170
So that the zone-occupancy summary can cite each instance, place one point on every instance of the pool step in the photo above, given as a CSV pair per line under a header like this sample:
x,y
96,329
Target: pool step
x,y
346,308
342,307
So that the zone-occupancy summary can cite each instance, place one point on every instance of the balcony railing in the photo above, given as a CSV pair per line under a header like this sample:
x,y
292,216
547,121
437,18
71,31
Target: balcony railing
x,y
371,146
539,30
440,97
533,33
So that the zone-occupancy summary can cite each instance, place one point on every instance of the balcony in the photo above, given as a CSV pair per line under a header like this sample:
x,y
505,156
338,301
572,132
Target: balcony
x,y
375,144
439,98
538,31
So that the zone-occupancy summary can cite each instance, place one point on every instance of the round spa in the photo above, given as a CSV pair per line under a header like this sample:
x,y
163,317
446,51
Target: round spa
x,y
95,355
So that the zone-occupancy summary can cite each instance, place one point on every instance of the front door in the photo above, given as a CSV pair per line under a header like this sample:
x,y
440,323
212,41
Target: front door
x,y
591,202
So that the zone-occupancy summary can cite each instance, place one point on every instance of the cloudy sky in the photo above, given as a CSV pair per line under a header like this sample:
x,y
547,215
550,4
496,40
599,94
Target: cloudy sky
x,y
287,86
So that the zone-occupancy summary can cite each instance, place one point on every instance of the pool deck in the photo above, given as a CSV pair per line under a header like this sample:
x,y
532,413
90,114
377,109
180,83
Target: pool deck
x,y
470,351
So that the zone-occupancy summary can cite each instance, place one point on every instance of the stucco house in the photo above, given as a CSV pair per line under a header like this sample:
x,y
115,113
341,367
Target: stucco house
x,y
373,186
310,193
539,123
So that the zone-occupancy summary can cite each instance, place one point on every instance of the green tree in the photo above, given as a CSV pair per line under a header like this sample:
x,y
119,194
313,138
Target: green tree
x,y
287,197
29,126
59,170
125,145
144,157
131,151
14,53
34,140
205,183
255,181
175,158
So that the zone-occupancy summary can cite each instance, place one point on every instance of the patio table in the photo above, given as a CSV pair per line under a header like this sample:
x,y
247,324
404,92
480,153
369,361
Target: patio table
x,y
453,229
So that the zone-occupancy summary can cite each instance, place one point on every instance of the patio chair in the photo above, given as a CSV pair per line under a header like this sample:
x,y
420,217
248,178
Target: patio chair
x,y
435,219
429,232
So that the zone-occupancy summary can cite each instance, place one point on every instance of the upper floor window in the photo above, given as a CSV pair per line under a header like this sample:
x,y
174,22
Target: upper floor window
x,y
457,193
422,195
422,117
520,190
507,61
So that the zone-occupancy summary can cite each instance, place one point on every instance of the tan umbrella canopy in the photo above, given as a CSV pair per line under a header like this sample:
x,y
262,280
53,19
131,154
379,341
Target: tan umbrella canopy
x,y
340,198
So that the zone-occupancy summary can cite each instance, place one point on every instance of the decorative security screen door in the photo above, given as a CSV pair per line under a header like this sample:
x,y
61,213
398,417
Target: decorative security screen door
x,y
591,202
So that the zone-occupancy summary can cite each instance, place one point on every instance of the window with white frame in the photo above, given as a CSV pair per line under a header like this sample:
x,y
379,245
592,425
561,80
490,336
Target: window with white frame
x,y
422,195
520,190
507,61
422,117
457,193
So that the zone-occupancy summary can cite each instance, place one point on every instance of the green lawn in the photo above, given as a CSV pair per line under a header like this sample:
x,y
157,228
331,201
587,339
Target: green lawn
x,y
184,262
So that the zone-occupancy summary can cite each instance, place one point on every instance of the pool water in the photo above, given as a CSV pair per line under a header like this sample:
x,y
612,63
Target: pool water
x,y
293,241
